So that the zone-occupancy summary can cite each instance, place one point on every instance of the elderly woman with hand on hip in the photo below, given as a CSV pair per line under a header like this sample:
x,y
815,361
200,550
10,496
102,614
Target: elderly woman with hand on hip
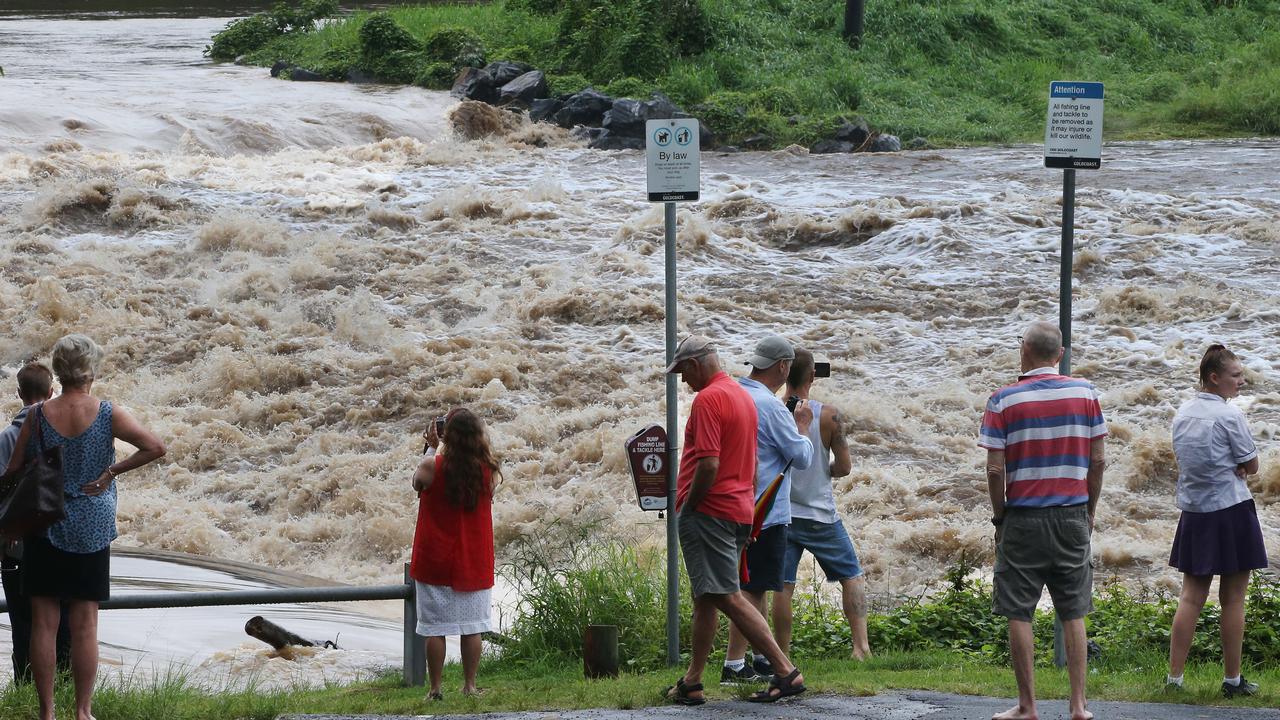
x,y
452,562
71,560
1218,532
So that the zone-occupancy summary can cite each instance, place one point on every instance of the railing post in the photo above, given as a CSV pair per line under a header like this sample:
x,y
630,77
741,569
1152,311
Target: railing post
x,y
415,657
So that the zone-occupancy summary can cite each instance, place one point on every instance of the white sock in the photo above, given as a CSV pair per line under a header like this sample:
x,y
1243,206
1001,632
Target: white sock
x,y
735,665
1232,681
1171,680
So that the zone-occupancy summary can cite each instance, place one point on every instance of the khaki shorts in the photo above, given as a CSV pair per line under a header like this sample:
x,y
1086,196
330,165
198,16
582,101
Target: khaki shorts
x,y
712,548
1039,547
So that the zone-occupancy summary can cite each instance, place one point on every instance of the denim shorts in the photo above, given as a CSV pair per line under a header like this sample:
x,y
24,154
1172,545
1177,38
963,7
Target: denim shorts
x,y
829,543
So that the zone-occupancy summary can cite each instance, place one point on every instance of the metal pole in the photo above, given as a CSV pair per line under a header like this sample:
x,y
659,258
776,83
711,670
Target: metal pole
x,y
1064,323
415,652
673,444
1068,250
853,22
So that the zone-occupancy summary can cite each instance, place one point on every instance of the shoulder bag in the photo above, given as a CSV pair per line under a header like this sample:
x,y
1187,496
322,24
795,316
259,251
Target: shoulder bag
x,y
31,497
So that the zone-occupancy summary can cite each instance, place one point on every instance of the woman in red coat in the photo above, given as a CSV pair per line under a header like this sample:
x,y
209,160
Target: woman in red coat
x,y
453,543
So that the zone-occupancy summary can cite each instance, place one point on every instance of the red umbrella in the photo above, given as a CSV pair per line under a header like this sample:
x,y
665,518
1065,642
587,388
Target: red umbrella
x,y
764,504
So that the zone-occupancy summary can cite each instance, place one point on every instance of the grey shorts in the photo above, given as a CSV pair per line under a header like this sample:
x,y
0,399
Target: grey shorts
x,y
1039,547
712,548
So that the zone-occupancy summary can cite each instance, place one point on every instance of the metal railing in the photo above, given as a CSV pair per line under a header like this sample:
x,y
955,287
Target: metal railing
x,y
415,660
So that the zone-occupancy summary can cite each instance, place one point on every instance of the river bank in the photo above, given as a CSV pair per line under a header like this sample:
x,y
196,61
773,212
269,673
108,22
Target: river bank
x,y
780,73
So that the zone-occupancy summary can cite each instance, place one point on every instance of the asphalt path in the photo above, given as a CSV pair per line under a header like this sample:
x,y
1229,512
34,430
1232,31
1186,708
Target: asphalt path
x,y
910,705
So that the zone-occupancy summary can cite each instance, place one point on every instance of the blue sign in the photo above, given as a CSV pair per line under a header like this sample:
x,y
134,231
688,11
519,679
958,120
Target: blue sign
x,y
1076,90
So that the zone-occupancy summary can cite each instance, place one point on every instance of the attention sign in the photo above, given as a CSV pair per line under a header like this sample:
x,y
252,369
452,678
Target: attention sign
x,y
1073,131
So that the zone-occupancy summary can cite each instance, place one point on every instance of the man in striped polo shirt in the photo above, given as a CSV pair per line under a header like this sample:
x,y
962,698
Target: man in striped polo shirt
x,y
1044,437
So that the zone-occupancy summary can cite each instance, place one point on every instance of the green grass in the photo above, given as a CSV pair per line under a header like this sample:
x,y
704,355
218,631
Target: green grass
x,y
550,687
953,71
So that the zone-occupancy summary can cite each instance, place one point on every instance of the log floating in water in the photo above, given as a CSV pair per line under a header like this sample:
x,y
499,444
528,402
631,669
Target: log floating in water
x,y
276,636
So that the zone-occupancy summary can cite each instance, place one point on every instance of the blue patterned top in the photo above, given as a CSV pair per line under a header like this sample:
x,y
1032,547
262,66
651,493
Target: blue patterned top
x,y
90,524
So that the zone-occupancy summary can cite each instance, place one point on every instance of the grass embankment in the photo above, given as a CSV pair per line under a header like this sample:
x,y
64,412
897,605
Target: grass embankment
x,y
949,642
952,72
563,687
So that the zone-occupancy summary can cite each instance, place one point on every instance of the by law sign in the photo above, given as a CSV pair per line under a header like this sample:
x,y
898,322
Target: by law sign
x,y
672,160
647,458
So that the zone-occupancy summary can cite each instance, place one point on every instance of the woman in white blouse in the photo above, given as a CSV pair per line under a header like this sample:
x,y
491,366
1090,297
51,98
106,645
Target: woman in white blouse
x,y
1218,533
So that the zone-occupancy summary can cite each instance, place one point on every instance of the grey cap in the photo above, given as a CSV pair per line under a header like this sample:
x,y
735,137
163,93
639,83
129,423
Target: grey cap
x,y
691,347
770,351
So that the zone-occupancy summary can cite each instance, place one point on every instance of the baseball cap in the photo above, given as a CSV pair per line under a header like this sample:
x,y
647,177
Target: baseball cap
x,y
770,351
691,347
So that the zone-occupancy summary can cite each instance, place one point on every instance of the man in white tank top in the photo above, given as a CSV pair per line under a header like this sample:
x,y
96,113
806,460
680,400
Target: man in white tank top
x,y
815,525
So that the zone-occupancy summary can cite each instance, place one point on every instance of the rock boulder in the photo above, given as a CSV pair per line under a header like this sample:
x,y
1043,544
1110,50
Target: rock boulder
x,y
525,89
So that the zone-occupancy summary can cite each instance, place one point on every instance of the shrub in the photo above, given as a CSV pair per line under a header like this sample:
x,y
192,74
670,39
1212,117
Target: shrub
x,y
541,7
629,87
248,34
388,51
458,46
566,84
436,76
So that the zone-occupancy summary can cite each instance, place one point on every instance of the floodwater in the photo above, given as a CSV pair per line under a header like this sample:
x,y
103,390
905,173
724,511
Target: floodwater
x,y
290,279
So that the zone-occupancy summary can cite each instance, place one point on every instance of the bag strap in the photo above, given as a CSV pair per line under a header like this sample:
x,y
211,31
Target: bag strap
x,y
40,425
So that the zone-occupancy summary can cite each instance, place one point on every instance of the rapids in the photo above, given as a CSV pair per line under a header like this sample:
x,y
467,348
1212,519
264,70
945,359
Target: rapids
x,y
290,279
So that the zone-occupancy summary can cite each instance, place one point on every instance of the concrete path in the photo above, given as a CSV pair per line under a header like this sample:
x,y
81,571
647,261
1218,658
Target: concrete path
x,y
909,705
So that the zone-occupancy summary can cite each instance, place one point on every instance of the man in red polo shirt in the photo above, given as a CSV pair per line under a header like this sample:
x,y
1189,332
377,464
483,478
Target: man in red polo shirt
x,y
715,495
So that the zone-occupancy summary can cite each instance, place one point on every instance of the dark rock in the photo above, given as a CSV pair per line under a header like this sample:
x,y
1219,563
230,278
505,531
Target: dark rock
x,y
280,67
543,110
305,75
584,108
360,77
918,143
885,143
660,107
826,147
728,149
758,141
502,72
525,89
625,118
796,119
240,60
474,84
855,132
609,140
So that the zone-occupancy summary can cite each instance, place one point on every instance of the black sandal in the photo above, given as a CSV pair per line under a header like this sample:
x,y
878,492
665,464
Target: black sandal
x,y
785,685
682,696
435,696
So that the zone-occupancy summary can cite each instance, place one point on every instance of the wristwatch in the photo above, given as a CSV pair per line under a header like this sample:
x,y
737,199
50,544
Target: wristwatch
x,y
997,520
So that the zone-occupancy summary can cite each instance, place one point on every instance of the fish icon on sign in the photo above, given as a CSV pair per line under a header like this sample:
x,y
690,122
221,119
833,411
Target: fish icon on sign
x,y
683,136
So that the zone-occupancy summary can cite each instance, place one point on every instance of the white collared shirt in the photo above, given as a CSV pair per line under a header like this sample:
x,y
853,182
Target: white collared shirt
x,y
1210,438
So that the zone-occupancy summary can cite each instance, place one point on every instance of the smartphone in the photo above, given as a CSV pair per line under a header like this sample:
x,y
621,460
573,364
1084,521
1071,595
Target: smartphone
x,y
440,426
822,369
792,402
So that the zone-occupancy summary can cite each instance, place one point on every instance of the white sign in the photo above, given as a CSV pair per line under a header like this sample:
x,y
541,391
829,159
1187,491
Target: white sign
x,y
671,148
1073,132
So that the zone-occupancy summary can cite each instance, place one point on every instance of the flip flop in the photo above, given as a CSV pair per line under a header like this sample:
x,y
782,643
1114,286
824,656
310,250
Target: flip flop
x,y
785,685
681,696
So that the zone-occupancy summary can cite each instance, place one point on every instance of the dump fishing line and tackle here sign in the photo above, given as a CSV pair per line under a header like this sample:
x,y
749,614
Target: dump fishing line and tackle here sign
x,y
647,458
1073,130
673,159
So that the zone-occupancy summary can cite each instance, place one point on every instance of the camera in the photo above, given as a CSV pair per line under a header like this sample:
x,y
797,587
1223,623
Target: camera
x,y
792,402
822,369
439,421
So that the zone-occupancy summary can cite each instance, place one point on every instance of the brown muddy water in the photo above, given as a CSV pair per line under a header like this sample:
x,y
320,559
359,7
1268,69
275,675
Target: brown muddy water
x,y
290,279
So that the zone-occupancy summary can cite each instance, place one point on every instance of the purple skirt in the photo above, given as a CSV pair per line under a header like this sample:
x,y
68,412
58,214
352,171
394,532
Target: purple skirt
x,y
1222,542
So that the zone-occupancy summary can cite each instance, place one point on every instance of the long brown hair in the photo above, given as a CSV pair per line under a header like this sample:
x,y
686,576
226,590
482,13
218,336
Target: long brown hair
x,y
1215,361
467,455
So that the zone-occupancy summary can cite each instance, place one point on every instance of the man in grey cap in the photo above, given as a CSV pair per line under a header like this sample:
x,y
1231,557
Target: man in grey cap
x,y
782,443
714,502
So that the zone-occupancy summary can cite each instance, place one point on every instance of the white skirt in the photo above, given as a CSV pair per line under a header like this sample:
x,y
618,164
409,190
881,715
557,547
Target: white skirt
x,y
445,611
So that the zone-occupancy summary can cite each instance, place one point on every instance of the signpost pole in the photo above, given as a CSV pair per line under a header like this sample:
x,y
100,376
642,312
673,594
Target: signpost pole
x,y
1068,251
673,443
